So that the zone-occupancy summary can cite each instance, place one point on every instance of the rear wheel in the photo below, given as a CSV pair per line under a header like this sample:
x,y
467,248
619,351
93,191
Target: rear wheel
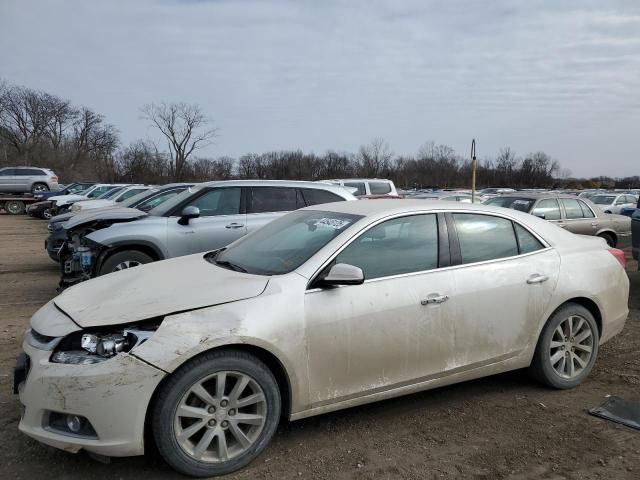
x,y
46,214
567,347
14,207
609,238
39,188
124,260
216,413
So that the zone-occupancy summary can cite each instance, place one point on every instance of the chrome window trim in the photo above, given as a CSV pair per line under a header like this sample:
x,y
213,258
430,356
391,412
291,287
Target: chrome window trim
x,y
546,246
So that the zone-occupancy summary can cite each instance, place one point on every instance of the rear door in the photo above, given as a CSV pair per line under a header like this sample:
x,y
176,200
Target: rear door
x,y
22,179
222,220
503,284
549,209
578,217
7,180
265,204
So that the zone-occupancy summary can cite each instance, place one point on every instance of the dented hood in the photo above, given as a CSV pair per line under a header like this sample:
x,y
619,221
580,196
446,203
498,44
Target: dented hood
x,y
104,213
156,289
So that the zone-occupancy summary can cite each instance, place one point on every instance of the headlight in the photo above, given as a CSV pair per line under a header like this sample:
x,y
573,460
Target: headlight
x,y
76,208
85,348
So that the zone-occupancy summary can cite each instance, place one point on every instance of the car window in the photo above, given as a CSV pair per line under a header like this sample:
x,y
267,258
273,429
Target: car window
x,y
272,199
464,198
450,199
315,196
153,202
621,200
402,245
361,190
98,191
586,210
111,193
219,201
130,193
6,172
33,172
379,188
522,204
76,188
548,207
603,199
572,208
527,243
484,237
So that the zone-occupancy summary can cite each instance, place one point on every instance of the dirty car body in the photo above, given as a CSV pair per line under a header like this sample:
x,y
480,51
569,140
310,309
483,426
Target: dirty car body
x,y
226,211
308,299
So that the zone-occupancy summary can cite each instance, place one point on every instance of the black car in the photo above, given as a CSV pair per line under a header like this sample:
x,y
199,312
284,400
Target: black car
x,y
144,201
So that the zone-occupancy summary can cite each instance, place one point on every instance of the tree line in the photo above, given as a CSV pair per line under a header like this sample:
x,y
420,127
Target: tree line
x,y
41,129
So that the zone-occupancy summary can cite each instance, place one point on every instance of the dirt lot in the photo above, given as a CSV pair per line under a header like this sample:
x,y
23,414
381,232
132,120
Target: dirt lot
x,y
505,426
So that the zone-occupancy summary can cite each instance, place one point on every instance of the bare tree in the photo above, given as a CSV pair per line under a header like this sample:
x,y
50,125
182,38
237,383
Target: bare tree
x,y
374,158
184,126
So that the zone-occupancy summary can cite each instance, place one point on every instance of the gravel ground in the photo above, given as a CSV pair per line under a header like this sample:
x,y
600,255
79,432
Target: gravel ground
x,y
505,426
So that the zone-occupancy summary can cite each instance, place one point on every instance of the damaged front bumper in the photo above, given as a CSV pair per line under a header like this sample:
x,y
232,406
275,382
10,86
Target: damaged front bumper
x,y
112,396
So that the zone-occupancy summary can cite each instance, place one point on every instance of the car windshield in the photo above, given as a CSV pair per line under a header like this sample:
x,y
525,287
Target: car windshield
x,y
284,244
110,193
170,204
603,199
139,197
523,204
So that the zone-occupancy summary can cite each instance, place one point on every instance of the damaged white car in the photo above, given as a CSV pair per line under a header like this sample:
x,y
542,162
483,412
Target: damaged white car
x,y
325,308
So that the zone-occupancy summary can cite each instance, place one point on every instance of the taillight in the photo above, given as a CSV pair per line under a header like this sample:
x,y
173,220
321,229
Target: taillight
x,y
54,178
619,254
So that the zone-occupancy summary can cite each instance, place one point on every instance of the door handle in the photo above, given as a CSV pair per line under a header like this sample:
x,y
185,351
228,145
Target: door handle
x,y
434,299
234,225
561,225
537,278
594,224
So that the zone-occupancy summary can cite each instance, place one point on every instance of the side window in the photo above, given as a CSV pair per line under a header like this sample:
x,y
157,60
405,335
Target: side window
x,y
359,185
464,199
572,208
621,200
313,196
379,188
586,211
7,172
219,201
402,245
98,191
549,208
33,172
526,241
272,199
484,237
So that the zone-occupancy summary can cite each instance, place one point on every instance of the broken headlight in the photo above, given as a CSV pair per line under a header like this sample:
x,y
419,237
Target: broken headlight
x,y
85,348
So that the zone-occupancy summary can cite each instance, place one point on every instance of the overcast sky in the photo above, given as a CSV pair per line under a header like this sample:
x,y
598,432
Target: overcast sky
x,y
559,76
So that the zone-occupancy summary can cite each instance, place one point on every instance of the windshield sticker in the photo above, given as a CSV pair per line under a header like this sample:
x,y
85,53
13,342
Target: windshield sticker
x,y
521,202
334,223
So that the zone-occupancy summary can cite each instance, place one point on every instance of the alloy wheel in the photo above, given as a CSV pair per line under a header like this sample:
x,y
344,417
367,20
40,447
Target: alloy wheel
x,y
220,417
126,264
571,347
39,188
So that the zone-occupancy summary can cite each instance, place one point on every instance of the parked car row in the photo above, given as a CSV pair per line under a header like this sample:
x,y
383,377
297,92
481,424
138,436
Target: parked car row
x,y
329,306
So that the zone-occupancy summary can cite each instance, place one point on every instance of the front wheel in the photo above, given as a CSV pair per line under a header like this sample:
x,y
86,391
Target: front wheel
x,y
567,347
39,188
216,413
124,260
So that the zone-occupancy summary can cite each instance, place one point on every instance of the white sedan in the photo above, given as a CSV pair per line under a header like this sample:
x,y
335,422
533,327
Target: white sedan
x,y
325,308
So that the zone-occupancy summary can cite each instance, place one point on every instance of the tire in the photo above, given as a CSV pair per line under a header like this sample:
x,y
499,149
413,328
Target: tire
x,y
611,241
46,214
124,260
545,369
39,187
166,423
14,207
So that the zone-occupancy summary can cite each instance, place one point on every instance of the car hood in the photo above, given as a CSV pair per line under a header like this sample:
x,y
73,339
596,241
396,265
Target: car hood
x,y
98,203
156,289
104,213
64,199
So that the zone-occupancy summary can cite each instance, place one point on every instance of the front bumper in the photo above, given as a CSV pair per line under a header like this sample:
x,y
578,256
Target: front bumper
x,y
113,395
54,243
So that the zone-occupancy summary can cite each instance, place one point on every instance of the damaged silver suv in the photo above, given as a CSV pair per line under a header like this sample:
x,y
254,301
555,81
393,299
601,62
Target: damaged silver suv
x,y
204,217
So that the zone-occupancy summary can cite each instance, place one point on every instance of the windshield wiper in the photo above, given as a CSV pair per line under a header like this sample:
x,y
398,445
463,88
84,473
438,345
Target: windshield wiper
x,y
230,266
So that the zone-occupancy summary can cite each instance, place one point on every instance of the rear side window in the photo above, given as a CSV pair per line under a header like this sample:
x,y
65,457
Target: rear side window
x,y
402,245
572,208
548,209
98,191
32,172
6,172
273,199
313,196
130,193
379,188
586,211
484,237
359,185
219,201
527,243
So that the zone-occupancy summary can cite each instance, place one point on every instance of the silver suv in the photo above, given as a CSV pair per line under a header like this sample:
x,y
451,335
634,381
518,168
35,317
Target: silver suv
x,y
205,217
27,180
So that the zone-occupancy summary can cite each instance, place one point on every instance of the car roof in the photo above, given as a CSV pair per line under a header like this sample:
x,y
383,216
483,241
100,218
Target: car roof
x,y
280,183
536,195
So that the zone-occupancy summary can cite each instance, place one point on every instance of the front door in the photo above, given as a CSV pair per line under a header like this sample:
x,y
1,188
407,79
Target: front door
x,y
220,223
394,329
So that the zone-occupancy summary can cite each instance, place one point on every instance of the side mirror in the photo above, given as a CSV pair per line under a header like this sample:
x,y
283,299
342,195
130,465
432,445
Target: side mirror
x,y
344,274
188,213
540,215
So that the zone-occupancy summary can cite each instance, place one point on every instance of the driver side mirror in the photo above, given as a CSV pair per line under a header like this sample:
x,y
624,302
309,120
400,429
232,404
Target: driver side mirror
x,y
188,213
540,215
343,274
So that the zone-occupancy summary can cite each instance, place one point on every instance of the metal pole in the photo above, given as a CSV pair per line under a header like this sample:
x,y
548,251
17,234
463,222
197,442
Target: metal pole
x,y
473,170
